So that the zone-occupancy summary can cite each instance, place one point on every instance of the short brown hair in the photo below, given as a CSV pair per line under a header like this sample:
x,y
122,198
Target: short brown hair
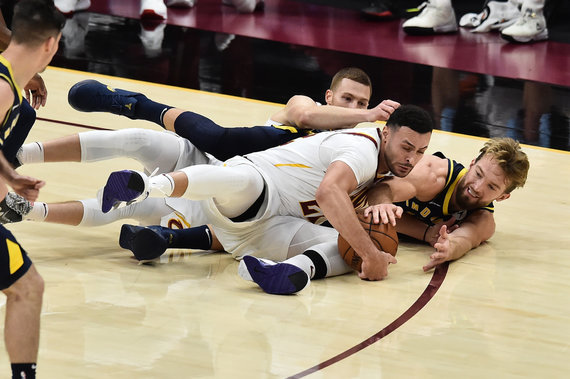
x,y
351,73
35,21
510,157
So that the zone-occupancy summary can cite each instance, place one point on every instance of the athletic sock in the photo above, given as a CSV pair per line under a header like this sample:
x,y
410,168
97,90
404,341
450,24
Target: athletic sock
x,y
161,185
147,109
304,263
31,153
23,370
198,237
39,212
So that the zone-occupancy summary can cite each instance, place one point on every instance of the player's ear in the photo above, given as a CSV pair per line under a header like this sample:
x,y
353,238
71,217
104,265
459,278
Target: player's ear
x,y
504,196
329,96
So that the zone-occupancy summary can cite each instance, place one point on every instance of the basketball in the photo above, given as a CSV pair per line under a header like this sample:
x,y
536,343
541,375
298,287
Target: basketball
x,y
383,236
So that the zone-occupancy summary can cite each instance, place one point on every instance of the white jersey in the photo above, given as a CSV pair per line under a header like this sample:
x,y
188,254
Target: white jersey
x,y
294,171
292,174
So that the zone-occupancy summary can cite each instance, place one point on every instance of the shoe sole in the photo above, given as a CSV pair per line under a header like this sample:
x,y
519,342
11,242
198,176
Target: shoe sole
x,y
279,279
536,38
419,31
144,243
121,186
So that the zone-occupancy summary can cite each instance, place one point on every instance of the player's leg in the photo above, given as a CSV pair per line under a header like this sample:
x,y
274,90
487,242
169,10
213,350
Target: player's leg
x,y
24,287
153,149
312,254
150,242
235,189
223,143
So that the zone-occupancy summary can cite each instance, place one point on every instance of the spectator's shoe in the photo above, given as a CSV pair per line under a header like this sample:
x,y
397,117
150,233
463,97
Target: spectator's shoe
x,y
431,20
496,16
180,3
68,7
531,26
246,6
146,243
274,278
127,186
93,96
153,10
381,11
13,208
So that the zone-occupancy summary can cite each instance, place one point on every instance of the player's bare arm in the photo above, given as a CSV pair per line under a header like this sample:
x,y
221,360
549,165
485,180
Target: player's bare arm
x,y
333,198
22,185
477,228
303,112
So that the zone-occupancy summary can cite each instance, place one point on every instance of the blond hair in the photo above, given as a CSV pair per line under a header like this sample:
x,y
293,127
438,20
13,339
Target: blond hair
x,y
510,157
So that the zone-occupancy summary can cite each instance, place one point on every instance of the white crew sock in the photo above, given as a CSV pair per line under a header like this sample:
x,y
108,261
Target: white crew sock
x,y
31,153
161,185
39,212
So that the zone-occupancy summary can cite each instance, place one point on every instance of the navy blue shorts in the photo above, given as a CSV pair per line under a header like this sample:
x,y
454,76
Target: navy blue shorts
x,y
14,261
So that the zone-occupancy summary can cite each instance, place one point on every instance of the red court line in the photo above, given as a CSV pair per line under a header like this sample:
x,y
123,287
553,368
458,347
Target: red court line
x,y
71,124
425,297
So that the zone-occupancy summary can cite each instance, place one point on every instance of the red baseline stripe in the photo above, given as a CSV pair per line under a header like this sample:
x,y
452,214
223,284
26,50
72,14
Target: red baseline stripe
x,y
425,297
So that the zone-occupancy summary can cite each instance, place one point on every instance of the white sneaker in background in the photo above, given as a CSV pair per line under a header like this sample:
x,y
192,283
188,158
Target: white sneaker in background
x,y
153,9
67,7
497,16
432,19
530,26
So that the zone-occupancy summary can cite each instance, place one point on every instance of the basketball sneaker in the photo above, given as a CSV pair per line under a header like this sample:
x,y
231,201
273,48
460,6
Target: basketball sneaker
x,y
13,208
145,242
497,15
274,278
530,26
127,186
93,96
432,19
67,7
153,10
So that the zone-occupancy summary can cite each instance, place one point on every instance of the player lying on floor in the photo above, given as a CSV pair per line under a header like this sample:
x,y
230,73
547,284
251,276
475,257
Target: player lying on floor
x,y
449,206
393,156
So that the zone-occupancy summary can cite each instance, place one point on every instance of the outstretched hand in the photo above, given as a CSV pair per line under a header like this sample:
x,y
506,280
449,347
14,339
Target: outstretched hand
x,y
433,232
442,249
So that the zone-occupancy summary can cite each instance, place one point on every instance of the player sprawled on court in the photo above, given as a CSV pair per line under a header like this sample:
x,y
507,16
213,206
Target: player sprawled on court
x,y
36,32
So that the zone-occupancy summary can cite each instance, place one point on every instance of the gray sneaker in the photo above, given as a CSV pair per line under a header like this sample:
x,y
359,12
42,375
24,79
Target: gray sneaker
x,y
13,208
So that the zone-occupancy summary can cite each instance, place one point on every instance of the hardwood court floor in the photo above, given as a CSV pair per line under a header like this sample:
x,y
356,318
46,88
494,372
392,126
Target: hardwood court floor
x,y
502,311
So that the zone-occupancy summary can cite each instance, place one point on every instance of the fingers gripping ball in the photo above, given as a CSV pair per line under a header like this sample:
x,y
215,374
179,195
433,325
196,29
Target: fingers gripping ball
x,y
383,236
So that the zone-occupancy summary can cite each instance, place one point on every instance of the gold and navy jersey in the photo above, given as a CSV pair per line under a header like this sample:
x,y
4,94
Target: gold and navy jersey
x,y
437,209
11,117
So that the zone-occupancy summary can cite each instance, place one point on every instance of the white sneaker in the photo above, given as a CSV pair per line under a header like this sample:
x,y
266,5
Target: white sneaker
x,y
431,20
67,7
244,6
153,9
497,16
531,26
180,3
